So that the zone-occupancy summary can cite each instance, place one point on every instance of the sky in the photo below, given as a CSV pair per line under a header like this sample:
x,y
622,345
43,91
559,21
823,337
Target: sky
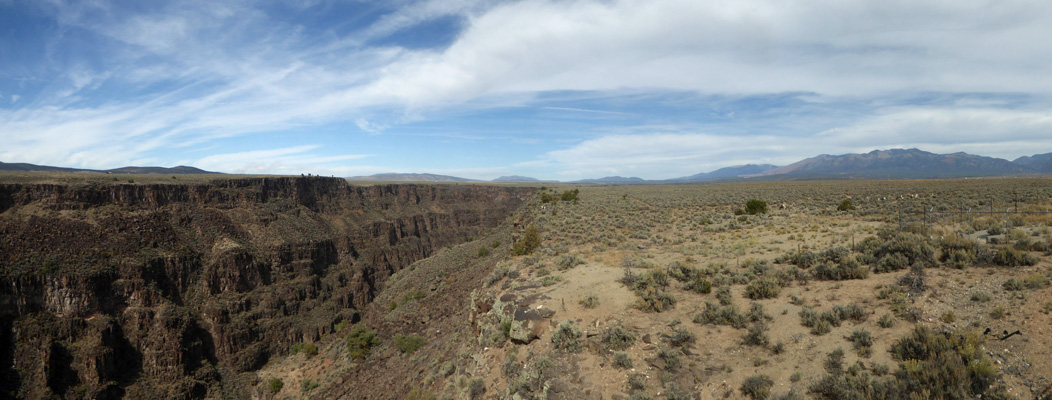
x,y
551,89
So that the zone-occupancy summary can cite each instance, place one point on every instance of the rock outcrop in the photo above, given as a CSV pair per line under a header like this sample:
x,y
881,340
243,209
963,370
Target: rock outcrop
x,y
171,291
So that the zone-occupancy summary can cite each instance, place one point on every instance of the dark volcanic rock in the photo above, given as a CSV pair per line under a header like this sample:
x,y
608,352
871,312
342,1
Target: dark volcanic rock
x,y
167,291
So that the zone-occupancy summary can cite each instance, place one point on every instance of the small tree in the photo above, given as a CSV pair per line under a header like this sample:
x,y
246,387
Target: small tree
x,y
530,241
754,207
846,205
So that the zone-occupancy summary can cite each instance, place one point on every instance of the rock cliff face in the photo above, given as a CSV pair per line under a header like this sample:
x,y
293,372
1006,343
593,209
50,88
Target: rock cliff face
x,y
173,291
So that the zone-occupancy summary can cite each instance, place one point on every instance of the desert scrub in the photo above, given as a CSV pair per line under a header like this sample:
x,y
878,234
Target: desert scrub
x,y
618,338
567,338
946,365
862,341
847,269
590,301
569,261
720,315
275,385
681,337
764,288
408,343
723,294
757,387
670,357
886,321
476,388
360,342
1010,257
622,360
980,297
756,335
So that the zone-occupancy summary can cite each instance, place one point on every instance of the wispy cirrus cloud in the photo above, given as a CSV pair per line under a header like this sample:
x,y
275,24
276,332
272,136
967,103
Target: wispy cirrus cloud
x,y
118,84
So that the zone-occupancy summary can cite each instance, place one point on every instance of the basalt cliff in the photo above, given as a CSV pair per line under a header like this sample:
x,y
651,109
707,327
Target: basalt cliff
x,y
178,290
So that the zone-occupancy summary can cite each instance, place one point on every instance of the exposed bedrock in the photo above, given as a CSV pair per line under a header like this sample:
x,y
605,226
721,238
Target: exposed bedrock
x,y
171,290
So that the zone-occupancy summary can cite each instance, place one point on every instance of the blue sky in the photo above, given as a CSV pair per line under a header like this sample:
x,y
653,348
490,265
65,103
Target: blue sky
x,y
560,89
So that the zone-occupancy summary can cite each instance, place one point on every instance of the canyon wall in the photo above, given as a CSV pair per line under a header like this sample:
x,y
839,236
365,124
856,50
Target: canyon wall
x,y
178,290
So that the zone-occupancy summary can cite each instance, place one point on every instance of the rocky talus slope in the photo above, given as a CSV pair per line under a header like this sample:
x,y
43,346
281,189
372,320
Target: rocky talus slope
x,y
181,290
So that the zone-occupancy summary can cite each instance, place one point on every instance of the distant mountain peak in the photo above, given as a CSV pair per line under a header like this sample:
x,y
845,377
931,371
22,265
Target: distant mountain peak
x,y
516,178
409,177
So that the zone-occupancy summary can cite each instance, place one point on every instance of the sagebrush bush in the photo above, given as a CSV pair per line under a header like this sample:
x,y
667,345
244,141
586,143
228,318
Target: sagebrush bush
x,y
590,301
757,387
618,338
720,315
1010,257
360,342
408,343
681,337
670,357
947,365
765,288
756,335
622,361
567,338
848,269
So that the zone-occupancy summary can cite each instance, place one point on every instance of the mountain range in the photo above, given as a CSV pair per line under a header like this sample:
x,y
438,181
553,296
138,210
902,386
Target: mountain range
x,y
24,167
877,164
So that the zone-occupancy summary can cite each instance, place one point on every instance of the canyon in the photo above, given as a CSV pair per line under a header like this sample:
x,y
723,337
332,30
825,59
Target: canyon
x,y
181,290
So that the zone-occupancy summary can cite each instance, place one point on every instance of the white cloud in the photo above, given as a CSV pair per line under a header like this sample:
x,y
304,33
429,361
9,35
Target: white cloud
x,y
670,155
230,69
985,131
287,160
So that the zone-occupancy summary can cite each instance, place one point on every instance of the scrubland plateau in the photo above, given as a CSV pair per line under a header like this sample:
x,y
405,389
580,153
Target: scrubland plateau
x,y
823,289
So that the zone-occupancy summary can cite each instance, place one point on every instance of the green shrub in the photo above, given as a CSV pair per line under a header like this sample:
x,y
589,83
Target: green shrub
x,y
765,288
476,388
571,195
618,338
670,357
753,207
1035,281
1010,257
848,269
530,241
622,361
408,343
567,338
307,385
1012,285
483,252
980,297
275,385
699,284
886,321
723,294
757,387
862,341
360,341
653,299
756,335
846,205
681,337
717,315
590,301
